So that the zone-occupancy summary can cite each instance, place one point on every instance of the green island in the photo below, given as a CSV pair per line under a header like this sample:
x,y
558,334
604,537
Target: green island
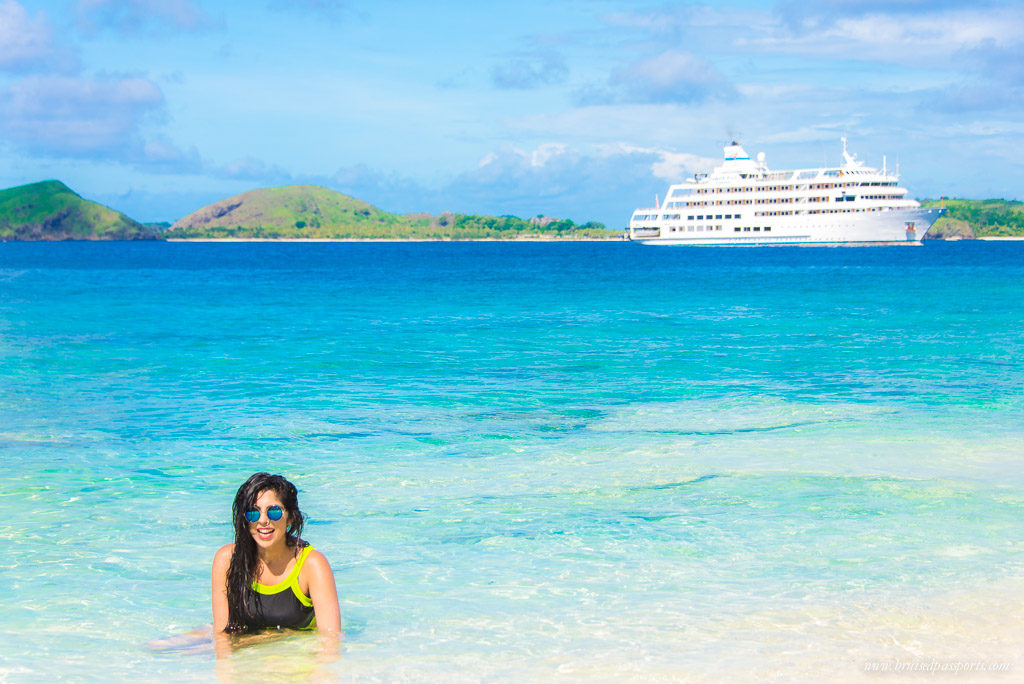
x,y
969,219
50,210
311,212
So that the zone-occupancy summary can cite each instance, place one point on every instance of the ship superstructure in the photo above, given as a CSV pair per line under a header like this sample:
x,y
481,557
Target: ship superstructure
x,y
743,202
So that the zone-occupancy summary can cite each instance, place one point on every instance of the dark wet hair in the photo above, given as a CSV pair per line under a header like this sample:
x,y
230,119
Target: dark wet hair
x,y
245,559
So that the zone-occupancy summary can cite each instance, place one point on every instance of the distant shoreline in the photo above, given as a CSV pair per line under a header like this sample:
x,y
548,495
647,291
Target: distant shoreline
x,y
1012,238
525,239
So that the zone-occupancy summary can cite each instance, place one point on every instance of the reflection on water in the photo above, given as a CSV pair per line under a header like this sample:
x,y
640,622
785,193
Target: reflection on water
x,y
284,653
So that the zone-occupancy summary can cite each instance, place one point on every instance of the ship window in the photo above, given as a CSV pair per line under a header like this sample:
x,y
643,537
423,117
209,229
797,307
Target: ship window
x,y
689,218
737,229
718,216
746,230
756,229
767,229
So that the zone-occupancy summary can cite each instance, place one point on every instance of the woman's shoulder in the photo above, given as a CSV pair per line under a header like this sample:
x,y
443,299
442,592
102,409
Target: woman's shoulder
x,y
221,563
223,555
315,561
315,556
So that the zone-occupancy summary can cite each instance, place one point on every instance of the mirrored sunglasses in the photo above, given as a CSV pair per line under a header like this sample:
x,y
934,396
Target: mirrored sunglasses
x,y
274,513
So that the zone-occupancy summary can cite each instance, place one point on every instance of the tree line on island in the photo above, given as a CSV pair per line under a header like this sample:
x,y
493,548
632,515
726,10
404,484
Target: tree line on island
x,y
49,210
970,219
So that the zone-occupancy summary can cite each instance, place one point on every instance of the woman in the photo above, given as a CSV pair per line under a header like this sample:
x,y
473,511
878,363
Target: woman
x,y
270,577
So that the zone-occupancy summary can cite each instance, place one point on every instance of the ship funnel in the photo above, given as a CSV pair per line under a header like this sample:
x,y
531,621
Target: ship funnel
x,y
735,152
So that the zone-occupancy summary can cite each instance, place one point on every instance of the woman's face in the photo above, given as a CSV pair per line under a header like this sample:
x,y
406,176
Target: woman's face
x,y
265,531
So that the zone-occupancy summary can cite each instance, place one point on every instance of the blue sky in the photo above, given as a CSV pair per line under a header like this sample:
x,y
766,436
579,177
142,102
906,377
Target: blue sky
x,y
582,109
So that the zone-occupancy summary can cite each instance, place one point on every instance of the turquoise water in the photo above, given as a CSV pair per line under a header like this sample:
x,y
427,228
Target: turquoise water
x,y
524,461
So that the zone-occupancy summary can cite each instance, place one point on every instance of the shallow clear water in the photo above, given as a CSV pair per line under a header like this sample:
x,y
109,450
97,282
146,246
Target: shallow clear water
x,y
524,461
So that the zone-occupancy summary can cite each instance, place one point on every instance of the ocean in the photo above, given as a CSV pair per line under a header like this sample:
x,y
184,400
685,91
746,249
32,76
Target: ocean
x,y
524,461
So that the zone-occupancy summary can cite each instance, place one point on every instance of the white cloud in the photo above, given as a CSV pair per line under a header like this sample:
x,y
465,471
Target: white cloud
x,y
601,182
528,71
27,42
65,116
829,132
985,129
130,16
721,23
250,168
670,77
548,152
164,156
667,165
675,166
884,36
917,32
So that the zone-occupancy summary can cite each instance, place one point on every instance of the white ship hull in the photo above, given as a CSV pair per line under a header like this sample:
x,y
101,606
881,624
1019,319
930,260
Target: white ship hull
x,y
895,226
743,202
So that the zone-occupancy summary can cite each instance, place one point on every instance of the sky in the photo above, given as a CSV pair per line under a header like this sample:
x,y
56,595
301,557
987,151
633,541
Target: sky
x,y
580,109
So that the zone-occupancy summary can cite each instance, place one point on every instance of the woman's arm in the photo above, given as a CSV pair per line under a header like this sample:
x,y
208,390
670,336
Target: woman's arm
x,y
323,592
219,587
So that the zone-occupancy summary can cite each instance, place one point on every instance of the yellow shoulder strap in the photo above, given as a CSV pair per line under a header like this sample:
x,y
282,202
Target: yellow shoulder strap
x,y
293,579
294,576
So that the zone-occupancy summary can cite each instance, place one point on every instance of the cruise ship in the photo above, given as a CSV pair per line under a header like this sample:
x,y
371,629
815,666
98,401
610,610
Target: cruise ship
x,y
743,202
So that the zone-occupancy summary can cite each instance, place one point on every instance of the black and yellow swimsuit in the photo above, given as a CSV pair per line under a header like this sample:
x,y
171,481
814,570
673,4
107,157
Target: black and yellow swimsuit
x,y
281,605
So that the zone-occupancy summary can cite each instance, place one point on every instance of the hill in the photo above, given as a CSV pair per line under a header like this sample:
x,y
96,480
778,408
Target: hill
x,y
311,212
294,211
977,218
50,210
